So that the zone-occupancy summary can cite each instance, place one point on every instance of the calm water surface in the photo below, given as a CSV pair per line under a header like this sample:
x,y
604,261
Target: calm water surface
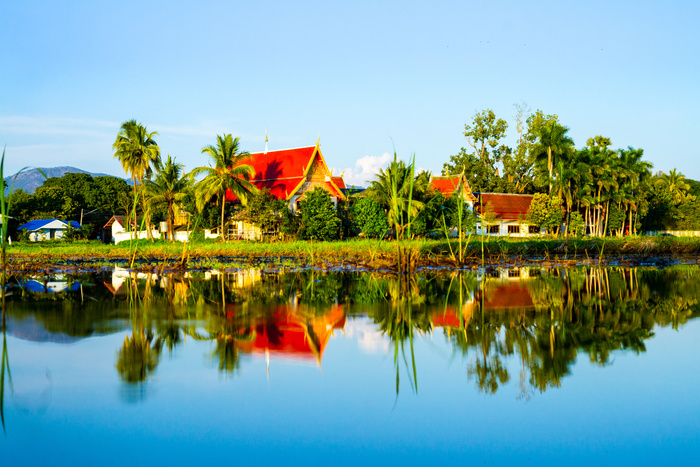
x,y
585,365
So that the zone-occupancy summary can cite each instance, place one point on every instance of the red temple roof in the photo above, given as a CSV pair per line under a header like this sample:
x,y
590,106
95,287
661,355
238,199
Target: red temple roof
x,y
283,172
287,333
449,185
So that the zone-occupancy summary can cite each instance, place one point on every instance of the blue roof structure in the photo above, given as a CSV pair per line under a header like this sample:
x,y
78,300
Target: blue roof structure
x,y
40,223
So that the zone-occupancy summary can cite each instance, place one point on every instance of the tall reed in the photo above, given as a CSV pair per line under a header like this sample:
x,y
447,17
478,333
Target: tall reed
x,y
4,211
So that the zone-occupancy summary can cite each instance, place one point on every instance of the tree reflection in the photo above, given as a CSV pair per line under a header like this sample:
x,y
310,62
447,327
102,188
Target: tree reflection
x,y
137,358
533,321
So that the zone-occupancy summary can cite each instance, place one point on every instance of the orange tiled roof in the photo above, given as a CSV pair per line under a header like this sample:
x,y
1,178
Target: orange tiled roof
x,y
505,205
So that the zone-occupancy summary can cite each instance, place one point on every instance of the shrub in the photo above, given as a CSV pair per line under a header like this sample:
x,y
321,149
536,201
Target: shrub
x,y
577,226
546,212
369,218
319,219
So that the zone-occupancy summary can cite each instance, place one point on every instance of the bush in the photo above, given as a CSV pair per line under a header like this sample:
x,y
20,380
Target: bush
x,y
577,226
546,212
369,217
319,219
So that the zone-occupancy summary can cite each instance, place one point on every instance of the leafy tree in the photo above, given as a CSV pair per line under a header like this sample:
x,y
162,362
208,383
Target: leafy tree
x,y
266,211
479,164
546,212
319,220
168,190
369,217
228,174
106,194
616,218
479,176
485,132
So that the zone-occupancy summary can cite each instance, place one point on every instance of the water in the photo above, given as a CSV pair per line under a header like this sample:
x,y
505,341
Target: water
x,y
524,365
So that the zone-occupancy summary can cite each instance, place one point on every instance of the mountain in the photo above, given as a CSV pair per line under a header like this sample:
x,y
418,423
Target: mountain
x,y
30,180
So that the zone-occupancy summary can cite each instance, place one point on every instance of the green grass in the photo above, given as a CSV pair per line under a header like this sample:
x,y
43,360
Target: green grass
x,y
361,250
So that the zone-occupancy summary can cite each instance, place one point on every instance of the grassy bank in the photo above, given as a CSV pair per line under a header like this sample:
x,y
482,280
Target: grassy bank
x,y
366,251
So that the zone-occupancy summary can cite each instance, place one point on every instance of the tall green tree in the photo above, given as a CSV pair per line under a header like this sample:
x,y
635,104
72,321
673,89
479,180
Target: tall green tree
x,y
479,164
227,173
139,154
551,141
137,151
484,135
168,190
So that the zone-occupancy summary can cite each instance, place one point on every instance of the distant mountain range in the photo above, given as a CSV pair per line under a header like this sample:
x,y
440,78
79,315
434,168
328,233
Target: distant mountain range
x,y
30,180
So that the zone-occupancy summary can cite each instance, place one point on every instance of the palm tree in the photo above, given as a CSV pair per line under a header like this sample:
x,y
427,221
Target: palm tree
x,y
227,174
552,142
638,173
168,189
137,151
674,183
561,187
399,193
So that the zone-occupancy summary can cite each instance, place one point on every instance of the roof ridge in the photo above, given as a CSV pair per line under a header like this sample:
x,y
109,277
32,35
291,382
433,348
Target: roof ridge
x,y
280,150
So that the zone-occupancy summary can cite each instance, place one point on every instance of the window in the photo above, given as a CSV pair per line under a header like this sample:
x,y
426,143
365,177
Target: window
x,y
494,229
513,229
533,229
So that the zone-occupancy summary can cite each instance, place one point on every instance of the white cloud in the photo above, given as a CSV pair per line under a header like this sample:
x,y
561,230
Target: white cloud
x,y
366,168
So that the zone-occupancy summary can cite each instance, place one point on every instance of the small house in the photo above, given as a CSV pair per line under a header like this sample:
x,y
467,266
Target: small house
x,y
47,229
504,214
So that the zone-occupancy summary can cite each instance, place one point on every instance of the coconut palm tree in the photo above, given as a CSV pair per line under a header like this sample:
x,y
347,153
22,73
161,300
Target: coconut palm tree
x,y
139,155
228,174
137,151
168,189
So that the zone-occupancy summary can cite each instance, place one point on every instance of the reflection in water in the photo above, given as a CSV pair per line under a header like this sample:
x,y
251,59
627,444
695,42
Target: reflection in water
x,y
4,373
540,318
136,358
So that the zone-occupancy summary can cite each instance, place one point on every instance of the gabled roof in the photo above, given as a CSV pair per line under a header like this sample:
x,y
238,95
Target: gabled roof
x,y
451,184
47,224
505,206
283,172
121,220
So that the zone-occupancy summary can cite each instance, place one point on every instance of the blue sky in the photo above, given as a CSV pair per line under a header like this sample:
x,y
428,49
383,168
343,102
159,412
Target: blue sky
x,y
365,76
